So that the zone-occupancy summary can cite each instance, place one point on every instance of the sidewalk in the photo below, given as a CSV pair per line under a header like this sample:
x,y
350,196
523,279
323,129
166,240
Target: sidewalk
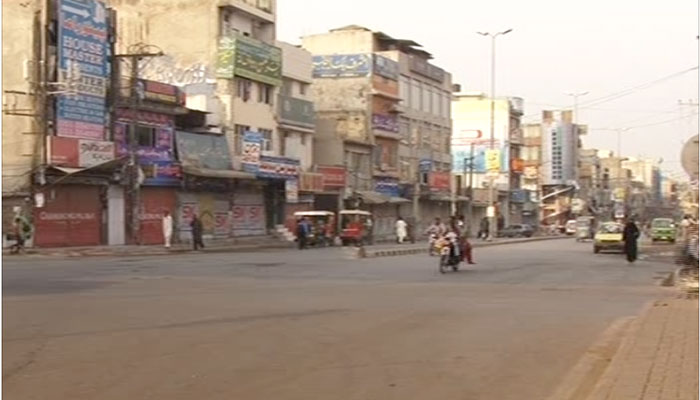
x,y
658,359
212,246
394,249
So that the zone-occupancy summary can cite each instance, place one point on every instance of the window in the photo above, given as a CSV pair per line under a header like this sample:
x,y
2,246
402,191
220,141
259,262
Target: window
x,y
240,131
436,101
415,94
427,100
264,93
243,87
405,91
267,139
287,86
145,136
303,87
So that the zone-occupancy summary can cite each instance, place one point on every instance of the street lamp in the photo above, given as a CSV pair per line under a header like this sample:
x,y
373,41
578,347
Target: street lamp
x,y
493,36
576,96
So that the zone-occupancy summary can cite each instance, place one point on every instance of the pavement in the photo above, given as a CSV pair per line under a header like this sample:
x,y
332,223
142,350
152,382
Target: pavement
x,y
289,324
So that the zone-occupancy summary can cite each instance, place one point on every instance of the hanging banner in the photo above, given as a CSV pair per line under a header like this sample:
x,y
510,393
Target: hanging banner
x,y
493,160
291,190
83,67
252,148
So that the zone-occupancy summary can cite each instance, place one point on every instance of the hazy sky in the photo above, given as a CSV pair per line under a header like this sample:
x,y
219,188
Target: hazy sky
x,y
557,46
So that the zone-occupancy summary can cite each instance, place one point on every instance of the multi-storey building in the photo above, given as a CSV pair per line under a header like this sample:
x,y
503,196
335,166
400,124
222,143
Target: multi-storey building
x,y
471,140
383,113
531,153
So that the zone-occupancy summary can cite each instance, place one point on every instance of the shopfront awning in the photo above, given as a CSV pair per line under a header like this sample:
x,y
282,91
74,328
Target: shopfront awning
x,y
373,197
398,200
216,173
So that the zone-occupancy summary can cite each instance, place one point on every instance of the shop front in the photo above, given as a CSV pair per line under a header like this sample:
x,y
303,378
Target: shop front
x,y
71,216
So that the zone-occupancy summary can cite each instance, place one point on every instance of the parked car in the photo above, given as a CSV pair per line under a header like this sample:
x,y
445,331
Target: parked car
x,y
609,237
663,229
517,230
571,227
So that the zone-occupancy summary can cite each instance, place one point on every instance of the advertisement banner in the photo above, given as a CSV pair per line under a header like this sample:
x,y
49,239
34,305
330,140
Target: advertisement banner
x,y
83,67
160,92
387,186
204,151
225,57
341,65
278,167
252,148
439,181
291,191
80,153
162,173
297,112
493,160
333,177
425,165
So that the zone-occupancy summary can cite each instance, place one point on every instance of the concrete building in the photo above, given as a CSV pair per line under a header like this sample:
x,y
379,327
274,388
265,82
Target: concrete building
x,y
531,153
22,126
471,113
382,113
231,67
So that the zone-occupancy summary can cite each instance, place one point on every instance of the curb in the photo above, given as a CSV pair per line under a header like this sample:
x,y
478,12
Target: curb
x,y
364,253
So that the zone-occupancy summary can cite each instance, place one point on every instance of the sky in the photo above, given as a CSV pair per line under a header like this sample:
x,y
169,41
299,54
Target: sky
x,y
602,47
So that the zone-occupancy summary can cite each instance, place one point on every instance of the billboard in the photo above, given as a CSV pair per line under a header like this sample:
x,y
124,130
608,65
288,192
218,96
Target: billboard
x,y
204,151
252,147
342,65
80,153
83,66
250,58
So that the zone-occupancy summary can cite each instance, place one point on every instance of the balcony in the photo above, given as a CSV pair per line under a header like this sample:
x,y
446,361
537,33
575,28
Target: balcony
x,y
263,9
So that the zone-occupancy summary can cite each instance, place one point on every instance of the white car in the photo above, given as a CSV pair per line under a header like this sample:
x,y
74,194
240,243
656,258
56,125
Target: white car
x,y
571,227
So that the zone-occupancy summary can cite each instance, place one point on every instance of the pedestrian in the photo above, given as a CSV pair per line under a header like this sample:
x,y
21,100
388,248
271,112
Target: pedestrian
x,y
484,228
21,230
401,230
167,228
197,228
464,236
630,236
302,232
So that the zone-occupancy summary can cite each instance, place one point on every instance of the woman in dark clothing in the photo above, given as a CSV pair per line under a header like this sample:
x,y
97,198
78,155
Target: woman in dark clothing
x,y
630,236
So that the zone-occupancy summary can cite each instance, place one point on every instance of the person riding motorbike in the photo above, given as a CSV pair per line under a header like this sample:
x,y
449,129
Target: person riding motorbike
x,y
434,231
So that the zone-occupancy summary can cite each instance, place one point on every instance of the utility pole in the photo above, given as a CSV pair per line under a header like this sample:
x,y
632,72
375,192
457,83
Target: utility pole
x,y
134,185
492,218
469,163
576,96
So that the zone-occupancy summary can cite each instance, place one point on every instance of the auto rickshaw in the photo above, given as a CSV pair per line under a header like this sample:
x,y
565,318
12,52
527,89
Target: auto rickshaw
x,y
356,227
322,227
584,228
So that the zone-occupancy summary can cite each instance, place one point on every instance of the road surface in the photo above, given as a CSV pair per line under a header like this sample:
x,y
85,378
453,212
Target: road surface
x,y
312,324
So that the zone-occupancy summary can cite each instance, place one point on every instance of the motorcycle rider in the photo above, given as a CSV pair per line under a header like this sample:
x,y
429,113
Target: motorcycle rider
x,y
435,231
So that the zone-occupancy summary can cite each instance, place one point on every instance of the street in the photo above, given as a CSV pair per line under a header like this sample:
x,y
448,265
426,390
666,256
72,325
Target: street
x,y
314,324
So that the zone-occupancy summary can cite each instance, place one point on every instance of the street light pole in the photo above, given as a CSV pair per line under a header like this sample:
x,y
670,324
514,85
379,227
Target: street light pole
x,y
576,96
493,36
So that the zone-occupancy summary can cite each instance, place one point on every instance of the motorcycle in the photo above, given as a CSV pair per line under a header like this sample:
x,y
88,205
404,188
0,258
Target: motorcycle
x,y
449,256
432,239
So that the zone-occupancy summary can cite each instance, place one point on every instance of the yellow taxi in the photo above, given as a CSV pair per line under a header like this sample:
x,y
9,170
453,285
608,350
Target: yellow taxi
x,y
609,237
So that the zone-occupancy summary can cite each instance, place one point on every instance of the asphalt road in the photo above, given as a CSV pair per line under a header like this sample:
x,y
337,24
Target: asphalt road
x,y
312,324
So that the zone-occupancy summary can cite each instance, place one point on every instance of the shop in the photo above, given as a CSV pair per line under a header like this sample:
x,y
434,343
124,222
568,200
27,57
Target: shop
x,y
71,216
248,211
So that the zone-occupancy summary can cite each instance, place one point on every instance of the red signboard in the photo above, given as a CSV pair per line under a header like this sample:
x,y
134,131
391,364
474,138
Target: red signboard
x,y
517,165
80,153
333,177
161,92
439,181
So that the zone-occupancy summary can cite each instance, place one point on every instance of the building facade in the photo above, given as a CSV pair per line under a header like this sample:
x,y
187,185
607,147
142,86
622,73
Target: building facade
x,y
383,114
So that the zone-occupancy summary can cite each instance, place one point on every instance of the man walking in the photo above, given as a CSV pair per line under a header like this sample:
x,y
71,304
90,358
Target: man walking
x,y
464,236
302,232
401,230
167,228
197,228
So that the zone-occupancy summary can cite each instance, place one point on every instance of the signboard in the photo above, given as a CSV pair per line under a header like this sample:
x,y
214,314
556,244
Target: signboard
x,y
291,190
82,66
439,181
203,150
297,112
517,165
250,58
80,153
493,160
310,182
278,167
385,123
162,173
386,67
333,177
387,186
252,147
341,65
160,92
425,165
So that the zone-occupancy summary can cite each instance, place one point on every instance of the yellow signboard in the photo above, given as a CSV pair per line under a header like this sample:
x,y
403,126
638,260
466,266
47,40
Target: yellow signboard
x,y
493,160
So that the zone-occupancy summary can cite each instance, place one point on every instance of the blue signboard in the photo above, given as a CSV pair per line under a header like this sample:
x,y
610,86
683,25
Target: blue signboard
x,y
387,186
252,150
425,165
82,65
342,65
459,153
